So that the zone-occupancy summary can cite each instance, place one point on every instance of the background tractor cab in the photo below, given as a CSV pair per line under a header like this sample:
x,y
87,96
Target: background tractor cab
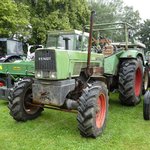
x,y
10,50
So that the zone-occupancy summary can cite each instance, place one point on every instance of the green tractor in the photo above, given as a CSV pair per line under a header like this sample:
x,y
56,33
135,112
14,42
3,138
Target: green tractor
x,y
72,75
14,64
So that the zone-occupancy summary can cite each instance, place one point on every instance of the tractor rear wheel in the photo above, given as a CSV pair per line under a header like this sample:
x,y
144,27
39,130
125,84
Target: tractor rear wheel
x,y
146,106
130,82
92,110
20,102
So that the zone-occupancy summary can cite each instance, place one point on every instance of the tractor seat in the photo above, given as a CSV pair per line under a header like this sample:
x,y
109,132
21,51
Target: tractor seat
x,y
108,50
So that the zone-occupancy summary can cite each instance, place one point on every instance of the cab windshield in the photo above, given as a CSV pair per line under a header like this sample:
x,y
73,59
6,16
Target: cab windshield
x,y
78,42
61,41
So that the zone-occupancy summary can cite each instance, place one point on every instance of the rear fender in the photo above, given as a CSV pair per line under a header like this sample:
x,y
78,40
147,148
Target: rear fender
x,y
133,54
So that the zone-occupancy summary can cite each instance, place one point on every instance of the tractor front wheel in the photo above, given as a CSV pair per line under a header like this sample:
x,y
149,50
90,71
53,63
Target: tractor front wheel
x,y
20,103
92,110
130,82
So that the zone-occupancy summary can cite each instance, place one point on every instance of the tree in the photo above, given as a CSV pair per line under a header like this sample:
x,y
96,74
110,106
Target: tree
x,y
144,33
109,11
55,15
106,10
13,18
130,16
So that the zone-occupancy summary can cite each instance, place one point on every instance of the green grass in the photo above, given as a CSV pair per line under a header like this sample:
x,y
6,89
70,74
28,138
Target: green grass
x,y
54,130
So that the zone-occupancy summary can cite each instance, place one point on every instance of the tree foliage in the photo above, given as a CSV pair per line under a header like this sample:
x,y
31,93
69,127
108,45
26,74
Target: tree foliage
x,y
107,10
130,16
13,18
144,33
55,15
34,18
114,11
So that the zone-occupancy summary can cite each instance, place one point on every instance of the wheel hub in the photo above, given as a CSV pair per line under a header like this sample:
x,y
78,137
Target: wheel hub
x,y
101,110
138,82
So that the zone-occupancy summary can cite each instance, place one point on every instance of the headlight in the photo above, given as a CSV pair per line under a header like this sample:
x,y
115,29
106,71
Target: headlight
x,y
52,75
46,75
39,74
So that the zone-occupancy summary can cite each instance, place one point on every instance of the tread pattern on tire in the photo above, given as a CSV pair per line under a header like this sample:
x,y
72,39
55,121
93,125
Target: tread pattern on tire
x,y
16,101
86,107
126,82
146,106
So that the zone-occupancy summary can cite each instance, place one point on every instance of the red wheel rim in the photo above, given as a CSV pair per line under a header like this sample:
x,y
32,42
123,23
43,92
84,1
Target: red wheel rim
x,y
101,110
138,82
2,84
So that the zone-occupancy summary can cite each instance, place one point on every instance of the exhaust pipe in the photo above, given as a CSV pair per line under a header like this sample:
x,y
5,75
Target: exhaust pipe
x,y
90,39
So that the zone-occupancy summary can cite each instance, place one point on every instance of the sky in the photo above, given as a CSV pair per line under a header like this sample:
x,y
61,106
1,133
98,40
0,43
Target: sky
x,y
143,6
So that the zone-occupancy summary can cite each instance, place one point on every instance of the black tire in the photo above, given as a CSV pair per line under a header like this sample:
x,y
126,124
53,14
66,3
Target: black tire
x,y
12,58
148,67
130,82
145,80
92,110
146,106
20,110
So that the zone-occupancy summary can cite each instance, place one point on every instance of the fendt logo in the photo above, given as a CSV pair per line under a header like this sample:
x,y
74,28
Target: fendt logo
x,y
44,58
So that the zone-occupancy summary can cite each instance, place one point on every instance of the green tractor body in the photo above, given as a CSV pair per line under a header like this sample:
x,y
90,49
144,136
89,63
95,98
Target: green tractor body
x,y
63,66
75,72
54,64
56,69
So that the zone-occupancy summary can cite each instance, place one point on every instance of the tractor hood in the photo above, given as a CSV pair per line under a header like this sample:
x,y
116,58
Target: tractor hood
x,y
56,64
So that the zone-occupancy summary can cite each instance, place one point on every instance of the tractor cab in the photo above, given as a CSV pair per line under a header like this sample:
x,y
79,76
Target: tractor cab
x,y
10,49
68,40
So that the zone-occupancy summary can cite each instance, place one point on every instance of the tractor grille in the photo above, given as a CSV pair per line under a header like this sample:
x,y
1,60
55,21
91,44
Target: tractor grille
x,y
45,60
